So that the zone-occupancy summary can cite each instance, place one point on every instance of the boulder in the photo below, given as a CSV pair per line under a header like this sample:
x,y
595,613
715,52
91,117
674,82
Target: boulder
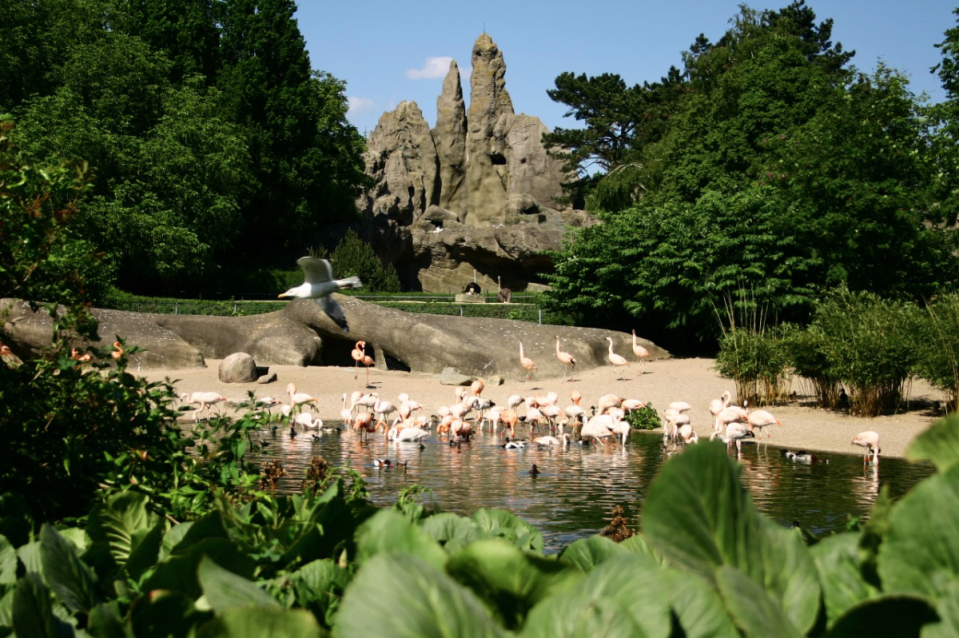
x,y
301,334
449,376
267,378
238,367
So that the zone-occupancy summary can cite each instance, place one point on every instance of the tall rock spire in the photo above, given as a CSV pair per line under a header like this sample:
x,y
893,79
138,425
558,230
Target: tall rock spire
x,y
486,174
449,134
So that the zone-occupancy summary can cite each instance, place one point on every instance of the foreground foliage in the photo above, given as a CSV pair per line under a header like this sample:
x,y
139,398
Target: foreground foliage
x,y
706,564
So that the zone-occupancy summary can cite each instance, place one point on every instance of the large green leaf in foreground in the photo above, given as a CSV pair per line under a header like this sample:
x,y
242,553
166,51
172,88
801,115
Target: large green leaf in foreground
x,y
939,444
920,553
399,595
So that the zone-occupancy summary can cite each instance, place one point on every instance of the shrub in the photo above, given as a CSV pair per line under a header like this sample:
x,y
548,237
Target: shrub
x,y
352,256
645,418
869,344
938,348
757,361
806,349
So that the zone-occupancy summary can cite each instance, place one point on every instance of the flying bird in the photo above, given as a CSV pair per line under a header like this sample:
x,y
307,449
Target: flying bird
x,y
319,284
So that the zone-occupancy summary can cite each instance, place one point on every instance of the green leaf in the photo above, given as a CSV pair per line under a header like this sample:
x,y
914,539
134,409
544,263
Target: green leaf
x,y
586,553
509,580
939,443
451,530
401,596
122,522
179,573
261,623
948,612
697,606
698,515
505,524
889,615
225,590
920,554
166,613
622,597
318,586
67,575
790,574
146,552
8,562
637,545
33,611
753,610
105,622
389,531
843,585
29,555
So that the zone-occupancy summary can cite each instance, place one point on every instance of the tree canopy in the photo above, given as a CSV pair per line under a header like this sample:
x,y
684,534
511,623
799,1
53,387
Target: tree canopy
x,y
210,137
778,169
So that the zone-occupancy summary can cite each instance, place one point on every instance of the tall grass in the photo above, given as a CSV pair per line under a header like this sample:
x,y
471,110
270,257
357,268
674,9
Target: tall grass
x,y
939,348
870,344
752,355
806,349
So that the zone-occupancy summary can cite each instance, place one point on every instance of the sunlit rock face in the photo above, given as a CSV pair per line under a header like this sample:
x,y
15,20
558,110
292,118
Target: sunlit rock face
x,y
485,168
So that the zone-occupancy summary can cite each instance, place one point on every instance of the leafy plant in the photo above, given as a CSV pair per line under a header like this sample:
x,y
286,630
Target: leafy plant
x,y
645,418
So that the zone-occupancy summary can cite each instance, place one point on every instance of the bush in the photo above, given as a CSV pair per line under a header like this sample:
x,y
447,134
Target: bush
x,y
806,349
869,344
645,418
938,348
352,256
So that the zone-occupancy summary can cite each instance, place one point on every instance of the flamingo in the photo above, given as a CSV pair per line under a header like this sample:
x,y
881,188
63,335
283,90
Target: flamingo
x,y
870,441
306,420
411,435
759,419
608,401
357,354
687,434
383,408
527,364
550,441
117,351
318,284
509,418
203,399
514,401
566,359
730,414
718,405
638,350
618,361
346,414
598,427
734,432
680,406
299,398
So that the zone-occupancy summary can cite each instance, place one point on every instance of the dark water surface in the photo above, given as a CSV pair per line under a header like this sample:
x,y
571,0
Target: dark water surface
x,y
573,496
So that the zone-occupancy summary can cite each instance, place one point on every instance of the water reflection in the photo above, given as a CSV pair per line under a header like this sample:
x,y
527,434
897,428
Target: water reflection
x,y
574,494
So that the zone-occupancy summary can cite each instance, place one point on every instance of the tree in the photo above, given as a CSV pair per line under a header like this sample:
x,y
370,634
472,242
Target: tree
x,y
620,121
294,122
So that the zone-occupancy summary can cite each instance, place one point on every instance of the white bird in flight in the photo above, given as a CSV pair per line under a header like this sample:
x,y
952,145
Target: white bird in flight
x,y
319,284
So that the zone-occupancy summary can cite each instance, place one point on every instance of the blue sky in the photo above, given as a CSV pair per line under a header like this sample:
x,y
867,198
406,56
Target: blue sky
x,y
390,51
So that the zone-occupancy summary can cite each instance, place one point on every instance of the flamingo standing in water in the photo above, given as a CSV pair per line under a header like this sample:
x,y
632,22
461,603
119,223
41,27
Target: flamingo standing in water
x,y
566,359
638,350
618,361
759,419
870,441
734,432
299,398
718,405
527,364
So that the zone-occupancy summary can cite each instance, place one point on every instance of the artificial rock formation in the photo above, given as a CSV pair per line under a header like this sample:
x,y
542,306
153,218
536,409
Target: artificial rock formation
x,y
484,172
301,334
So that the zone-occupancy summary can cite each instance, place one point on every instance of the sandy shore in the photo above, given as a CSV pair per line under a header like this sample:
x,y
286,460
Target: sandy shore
x,y
657,382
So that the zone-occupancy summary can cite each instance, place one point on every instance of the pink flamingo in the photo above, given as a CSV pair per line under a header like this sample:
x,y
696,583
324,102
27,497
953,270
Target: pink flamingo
x,y
870,441
638,350
527,364
618,361
566,359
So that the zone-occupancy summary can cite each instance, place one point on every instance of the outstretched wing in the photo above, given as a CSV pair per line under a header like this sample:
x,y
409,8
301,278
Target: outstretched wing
x,y
334,311
315,270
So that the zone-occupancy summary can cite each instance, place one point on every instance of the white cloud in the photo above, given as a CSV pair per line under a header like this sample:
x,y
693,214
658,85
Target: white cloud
x,y
358,104
434,68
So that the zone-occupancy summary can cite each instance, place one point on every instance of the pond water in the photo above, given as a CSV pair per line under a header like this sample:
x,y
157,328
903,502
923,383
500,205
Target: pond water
x,y
577,488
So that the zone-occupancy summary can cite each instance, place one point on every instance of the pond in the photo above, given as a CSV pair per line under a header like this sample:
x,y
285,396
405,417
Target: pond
x,y
576,489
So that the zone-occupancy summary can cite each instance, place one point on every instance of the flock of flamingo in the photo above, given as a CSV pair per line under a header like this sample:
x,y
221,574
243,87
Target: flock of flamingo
x,y
470,412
